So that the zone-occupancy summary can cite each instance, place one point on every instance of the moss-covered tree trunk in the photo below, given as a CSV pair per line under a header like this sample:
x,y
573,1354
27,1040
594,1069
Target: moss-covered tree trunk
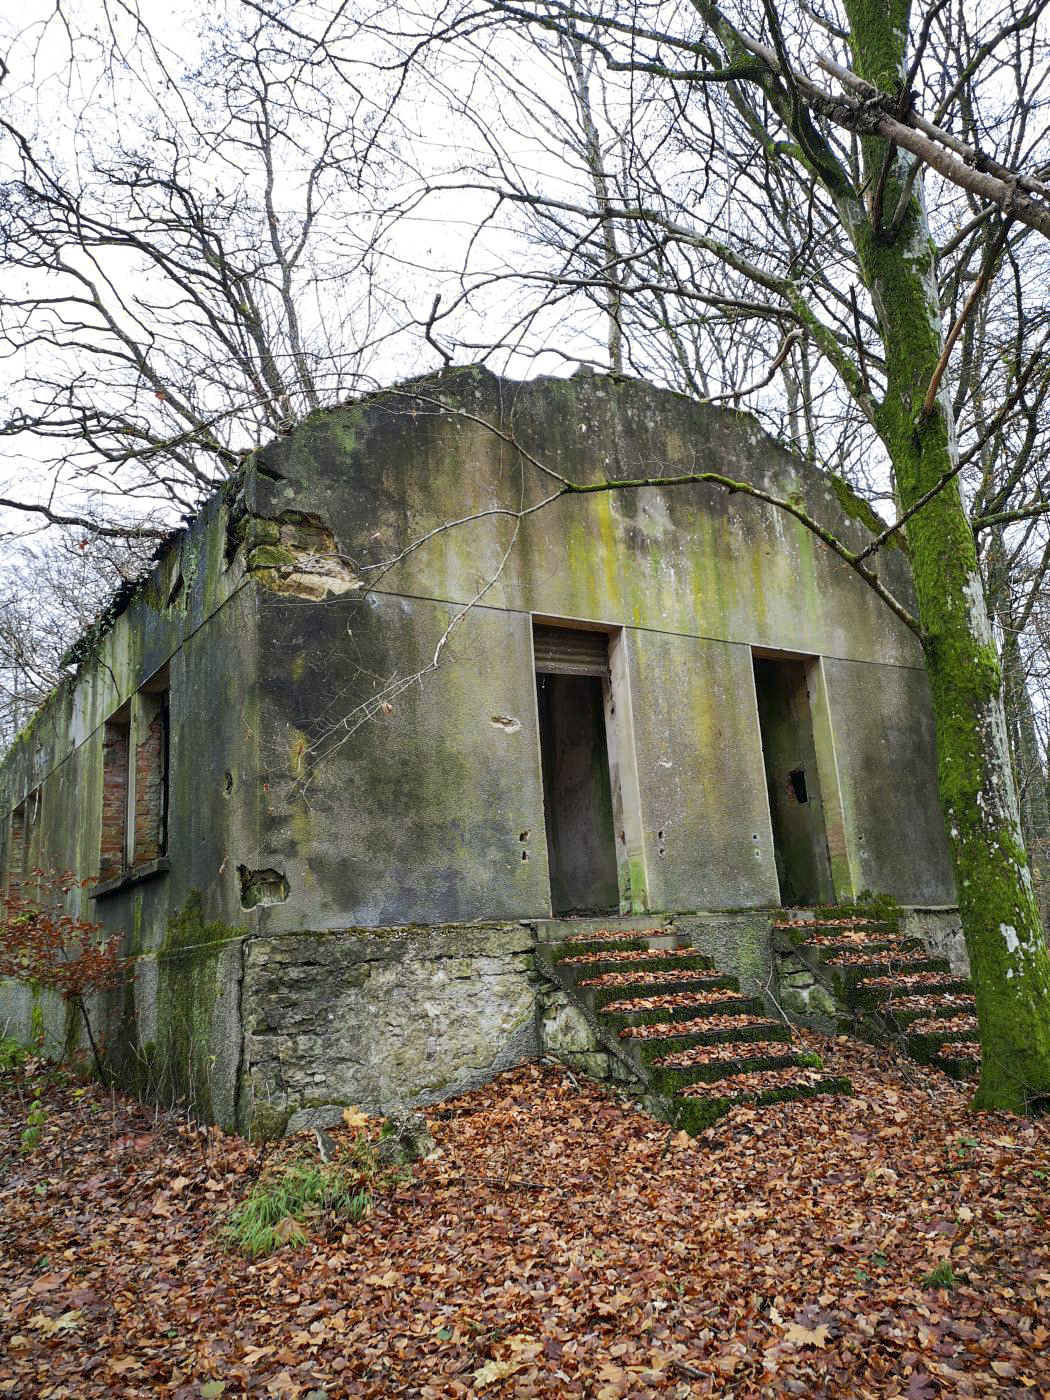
x,y
1008,955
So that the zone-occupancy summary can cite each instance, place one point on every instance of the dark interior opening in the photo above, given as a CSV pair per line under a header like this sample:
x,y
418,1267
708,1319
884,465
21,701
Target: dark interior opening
x,y
797,779
577,794
800,842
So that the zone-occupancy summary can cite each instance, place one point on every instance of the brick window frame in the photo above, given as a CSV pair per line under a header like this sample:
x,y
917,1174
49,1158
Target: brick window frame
x,y
20,857
16,849
135,761
116,745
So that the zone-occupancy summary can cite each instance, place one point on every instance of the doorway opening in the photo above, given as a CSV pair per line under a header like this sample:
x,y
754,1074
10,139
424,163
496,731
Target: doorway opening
x,y
581,799
800,839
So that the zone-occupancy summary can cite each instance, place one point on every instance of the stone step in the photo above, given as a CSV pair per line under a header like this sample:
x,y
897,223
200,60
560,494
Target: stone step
x,y
737,1040
903,1012
699,1105
727,1060
960,1059
959,1023
626,941
707,1030
722,1052
791,935
882,992
634,959
655,984
854,973
842,940
811,918
677,1006
673,977
551,932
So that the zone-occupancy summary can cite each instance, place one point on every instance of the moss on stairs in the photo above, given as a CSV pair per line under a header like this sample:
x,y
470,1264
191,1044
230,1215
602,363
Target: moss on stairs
x,y
694,1043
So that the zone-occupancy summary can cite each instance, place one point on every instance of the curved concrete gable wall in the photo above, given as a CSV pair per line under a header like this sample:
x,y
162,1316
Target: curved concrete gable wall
x,y
427,805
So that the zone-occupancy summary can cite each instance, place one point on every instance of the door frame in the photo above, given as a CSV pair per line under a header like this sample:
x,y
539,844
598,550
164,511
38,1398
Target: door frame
x,y
619,739
843,880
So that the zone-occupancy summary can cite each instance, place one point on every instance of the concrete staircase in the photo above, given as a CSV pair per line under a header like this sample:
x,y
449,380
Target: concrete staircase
x,y
689,1040
886,986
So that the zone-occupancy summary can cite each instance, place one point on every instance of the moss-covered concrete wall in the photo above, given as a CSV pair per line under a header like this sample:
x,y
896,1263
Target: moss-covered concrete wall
x,y
197,615
398,791
354,730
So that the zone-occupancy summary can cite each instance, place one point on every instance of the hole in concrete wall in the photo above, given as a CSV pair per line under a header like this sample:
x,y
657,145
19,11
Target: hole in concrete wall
x,y
523,835
227,783
260,887
507,723
524,855
797,779
152,762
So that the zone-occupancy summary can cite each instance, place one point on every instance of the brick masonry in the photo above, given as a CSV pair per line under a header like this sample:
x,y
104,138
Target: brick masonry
x,y
149,791
114,799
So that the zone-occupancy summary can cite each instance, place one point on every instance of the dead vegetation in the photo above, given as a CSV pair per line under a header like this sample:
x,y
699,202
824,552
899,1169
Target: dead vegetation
x,y
557,1242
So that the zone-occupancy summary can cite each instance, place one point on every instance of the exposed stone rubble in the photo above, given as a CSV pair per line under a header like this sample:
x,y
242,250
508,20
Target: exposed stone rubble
x,y
690,1052
884,986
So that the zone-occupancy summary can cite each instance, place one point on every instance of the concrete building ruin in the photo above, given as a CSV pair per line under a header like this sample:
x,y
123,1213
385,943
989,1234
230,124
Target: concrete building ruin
x,y
338,762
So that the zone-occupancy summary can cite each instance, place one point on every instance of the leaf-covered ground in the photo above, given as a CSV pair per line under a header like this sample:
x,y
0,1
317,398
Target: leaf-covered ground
x,y
557,1244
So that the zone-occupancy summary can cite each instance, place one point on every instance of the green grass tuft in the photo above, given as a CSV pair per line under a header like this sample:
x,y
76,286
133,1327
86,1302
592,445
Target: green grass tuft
x,y
272,1213
943,1276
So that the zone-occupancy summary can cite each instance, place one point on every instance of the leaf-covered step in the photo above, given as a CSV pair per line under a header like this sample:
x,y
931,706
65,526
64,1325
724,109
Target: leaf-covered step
x,y
722,1052
796,932
612,959
709,1029
667,962
757,1082
615,935
674,1073
839,918
906,1010
617,941
961,1023
961,1050
883,990
825,957
656,984
649,979
699,1105
843,940
851,971
677,1005
960,1059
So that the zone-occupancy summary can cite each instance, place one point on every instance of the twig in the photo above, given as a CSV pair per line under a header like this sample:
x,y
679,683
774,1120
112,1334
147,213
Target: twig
x,y
860,342
428,329
953,334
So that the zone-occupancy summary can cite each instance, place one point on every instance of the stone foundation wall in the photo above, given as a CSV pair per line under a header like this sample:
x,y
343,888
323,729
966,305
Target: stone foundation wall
x,y
380,1018
271,1033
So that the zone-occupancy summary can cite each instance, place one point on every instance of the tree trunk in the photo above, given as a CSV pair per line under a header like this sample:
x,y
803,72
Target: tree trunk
x,y
1008,955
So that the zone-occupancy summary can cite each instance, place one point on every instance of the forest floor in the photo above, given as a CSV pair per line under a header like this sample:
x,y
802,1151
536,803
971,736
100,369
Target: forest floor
x,y
558,1242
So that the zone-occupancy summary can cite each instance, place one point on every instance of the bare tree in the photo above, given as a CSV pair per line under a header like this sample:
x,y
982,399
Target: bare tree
x,y
895,216
191,268
51,592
